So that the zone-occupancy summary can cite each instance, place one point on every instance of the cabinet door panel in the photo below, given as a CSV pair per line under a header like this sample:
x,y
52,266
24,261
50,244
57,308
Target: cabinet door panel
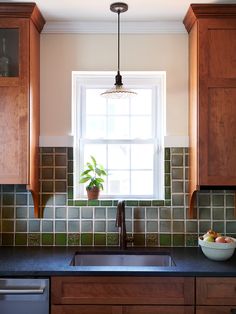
x,y
158,309
217,94
122,290
222,47
215,310
14,136
222,134
216,291
86,309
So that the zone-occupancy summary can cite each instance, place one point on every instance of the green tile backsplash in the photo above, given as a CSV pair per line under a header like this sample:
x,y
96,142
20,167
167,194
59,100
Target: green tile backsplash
x,y
80,222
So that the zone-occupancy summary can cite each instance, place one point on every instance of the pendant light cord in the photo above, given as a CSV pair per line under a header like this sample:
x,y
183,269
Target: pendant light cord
x,y
118,41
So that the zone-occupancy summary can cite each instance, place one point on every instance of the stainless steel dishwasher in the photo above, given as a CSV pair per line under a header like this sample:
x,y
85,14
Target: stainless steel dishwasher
x,y
24,296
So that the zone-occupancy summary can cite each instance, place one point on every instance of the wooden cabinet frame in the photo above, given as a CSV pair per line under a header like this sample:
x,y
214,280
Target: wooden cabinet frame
x,y
212,88
19,99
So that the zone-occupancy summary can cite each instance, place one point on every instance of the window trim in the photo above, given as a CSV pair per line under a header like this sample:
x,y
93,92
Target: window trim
x,y
133,79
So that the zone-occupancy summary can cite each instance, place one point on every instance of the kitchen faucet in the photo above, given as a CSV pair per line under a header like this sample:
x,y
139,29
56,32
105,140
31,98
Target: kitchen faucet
x,y
120,223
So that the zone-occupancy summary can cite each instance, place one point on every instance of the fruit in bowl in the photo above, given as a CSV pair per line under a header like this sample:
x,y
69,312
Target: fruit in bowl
x,y
217,247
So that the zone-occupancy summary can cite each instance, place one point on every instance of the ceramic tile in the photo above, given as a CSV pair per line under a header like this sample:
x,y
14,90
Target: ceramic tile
x,y
100,239
165,240
73,226
73,213
73,239
139,213
21,225
21,239
100,213
60,225
86,239
178,240
99,226
112,239
165,213
47,239
33,239
152,213
21,212
151,239
60,239
60,212
86,212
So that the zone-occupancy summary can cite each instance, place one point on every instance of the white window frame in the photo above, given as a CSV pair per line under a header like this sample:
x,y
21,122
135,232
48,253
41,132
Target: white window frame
x,y
132,79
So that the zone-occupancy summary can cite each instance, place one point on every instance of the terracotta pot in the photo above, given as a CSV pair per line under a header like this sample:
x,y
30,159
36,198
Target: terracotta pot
x,y
93,193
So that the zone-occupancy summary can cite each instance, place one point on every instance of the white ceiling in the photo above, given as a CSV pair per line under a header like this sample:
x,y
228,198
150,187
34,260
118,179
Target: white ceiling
x,y
99,10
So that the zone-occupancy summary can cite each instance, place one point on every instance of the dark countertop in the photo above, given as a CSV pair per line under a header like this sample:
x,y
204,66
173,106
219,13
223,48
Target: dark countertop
x,y
51,261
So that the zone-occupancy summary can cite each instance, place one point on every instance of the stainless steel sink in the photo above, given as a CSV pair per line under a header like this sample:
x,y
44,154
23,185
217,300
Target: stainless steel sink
x,y
122,259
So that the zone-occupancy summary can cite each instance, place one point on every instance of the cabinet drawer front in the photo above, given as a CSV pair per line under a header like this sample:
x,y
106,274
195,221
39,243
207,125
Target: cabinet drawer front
x,y
122,290
161,309
86,309
215,310
216,291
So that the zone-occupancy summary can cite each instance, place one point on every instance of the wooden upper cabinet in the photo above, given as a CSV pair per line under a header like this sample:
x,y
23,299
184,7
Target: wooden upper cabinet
x,y
212,96
20,27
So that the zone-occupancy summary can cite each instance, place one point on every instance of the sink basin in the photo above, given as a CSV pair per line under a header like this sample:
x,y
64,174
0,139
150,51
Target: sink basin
x,y
122,259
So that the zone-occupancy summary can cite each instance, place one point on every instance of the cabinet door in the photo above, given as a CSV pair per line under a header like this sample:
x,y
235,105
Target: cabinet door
x,y
158,309
122,290
215,310
14,102
216,291
217,97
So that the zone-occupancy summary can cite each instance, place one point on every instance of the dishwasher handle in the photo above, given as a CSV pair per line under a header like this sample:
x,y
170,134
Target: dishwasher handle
x,y
29,290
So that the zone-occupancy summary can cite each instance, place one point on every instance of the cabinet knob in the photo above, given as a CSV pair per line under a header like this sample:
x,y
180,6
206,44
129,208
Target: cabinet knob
x,y
233,311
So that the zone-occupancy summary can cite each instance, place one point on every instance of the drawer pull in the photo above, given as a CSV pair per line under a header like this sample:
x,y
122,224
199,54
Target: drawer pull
x,y
233,311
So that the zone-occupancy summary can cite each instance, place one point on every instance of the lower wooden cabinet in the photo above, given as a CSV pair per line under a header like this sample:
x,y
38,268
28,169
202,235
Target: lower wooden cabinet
x,y
143,295
216,291
122,295
215,295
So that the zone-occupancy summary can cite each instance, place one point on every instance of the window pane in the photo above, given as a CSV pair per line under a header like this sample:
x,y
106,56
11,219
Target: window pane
x,y
118,182
141,183
98,151
118,156
142,103
118,127
118,106
141,127
142,156
95,104
95,127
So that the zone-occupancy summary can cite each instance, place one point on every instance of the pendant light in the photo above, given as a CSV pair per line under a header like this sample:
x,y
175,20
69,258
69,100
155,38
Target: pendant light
x,y
118,91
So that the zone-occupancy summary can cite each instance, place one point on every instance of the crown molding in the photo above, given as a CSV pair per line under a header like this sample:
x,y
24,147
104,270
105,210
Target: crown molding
x,y
86,27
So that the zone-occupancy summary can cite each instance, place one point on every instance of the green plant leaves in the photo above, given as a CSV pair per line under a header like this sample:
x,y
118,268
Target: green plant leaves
x,y
94,172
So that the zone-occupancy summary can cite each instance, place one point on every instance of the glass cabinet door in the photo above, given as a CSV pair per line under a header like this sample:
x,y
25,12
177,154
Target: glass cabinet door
x,y
9,52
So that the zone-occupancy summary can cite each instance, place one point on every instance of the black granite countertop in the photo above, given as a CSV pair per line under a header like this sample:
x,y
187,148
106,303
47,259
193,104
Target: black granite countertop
x,y
51,261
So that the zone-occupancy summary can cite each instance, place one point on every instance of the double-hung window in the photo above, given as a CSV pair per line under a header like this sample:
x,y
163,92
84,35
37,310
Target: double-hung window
x,y
124,135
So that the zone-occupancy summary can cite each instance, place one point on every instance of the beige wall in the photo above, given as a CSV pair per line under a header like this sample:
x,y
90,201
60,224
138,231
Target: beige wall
x,y
63,53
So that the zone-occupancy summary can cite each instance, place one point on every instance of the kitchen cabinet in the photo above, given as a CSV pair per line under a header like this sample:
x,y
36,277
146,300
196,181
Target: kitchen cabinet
x,y
20,27
215,295
212,97
122,295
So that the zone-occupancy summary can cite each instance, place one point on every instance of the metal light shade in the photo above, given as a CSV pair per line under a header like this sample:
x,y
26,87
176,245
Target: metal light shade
x,y
118,91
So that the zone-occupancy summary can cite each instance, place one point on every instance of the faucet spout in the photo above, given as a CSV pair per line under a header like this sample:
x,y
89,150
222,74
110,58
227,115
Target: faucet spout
x,y
120,223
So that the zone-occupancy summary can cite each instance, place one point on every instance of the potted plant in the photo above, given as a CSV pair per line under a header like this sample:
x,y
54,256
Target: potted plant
x,y
93,175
